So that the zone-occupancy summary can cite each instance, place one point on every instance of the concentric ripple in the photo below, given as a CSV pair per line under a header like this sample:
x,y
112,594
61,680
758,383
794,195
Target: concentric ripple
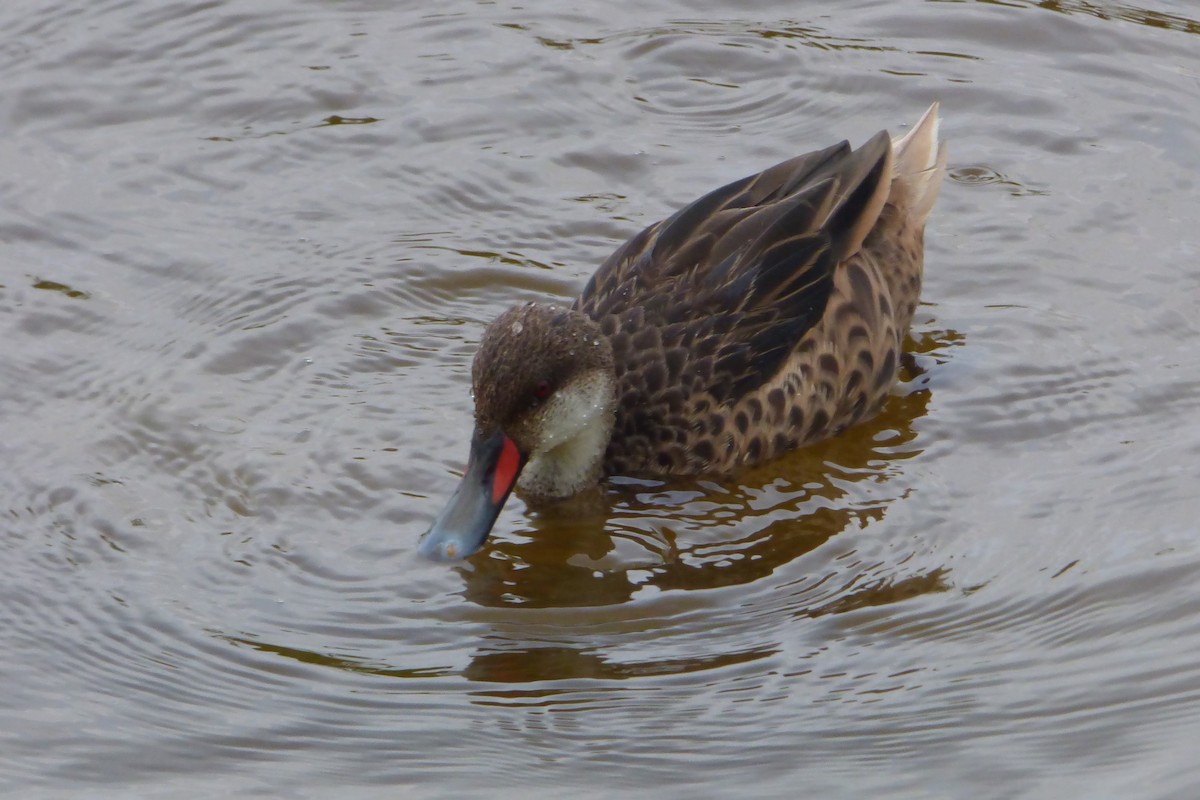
x,y
249,250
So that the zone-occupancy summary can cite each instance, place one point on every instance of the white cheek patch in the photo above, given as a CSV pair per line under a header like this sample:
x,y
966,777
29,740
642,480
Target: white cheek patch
x,y
571,411
572,434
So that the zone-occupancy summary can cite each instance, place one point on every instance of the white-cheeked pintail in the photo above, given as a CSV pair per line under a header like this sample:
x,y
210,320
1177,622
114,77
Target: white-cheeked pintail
x,y
766,315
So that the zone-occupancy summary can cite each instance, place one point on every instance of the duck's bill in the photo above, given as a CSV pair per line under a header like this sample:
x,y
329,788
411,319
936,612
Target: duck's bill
x,y
467,519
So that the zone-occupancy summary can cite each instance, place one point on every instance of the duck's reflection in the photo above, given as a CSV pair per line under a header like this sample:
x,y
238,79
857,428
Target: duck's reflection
x,y
602,548
536,664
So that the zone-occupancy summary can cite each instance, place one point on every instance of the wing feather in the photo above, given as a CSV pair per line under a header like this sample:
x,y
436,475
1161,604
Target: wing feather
x,y
706,305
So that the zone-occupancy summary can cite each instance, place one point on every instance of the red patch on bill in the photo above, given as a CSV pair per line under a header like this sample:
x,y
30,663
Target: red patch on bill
x,y
506,470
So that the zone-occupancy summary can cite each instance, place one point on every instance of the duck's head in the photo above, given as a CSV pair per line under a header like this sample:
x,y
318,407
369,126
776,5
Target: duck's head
x,y
545,394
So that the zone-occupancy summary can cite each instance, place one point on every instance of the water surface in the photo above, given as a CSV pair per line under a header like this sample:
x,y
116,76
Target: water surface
x,y
248,251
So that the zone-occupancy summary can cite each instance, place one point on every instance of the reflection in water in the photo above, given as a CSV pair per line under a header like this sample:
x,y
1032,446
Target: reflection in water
x,y
509,662
565,663
337,661
1113,11
881,592
592,573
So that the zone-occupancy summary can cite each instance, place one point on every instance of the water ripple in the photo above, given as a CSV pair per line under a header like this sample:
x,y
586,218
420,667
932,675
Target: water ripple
x,y
251,252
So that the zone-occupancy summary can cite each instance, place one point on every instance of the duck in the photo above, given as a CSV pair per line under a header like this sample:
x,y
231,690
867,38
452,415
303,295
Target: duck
x,y
768,314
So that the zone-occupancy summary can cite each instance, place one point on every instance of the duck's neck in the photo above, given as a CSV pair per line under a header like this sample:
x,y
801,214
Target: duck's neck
x,y
570,457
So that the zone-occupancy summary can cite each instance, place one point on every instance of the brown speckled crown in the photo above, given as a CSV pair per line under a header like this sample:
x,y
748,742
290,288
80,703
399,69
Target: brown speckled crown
x,y
528,345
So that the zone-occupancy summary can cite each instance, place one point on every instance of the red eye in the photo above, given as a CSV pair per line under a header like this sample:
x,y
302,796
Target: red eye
x,y
542,390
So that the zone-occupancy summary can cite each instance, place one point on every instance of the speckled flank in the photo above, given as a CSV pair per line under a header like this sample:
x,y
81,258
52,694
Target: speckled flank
x,y
839,373
676,412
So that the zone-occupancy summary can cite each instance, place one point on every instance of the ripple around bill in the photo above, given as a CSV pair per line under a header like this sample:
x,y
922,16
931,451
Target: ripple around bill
x,y
348,635
136,629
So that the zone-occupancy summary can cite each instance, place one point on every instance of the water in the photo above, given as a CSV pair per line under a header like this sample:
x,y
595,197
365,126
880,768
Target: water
x,y
249,249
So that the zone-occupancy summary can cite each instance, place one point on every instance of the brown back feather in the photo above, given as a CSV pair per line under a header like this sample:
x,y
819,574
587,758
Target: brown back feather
x,y
706,305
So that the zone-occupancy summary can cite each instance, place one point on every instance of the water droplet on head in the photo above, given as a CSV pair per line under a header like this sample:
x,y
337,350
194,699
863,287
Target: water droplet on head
x,y
517,327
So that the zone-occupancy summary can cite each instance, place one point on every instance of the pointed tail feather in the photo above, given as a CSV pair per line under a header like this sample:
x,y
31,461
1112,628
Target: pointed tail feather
x,y
920,165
